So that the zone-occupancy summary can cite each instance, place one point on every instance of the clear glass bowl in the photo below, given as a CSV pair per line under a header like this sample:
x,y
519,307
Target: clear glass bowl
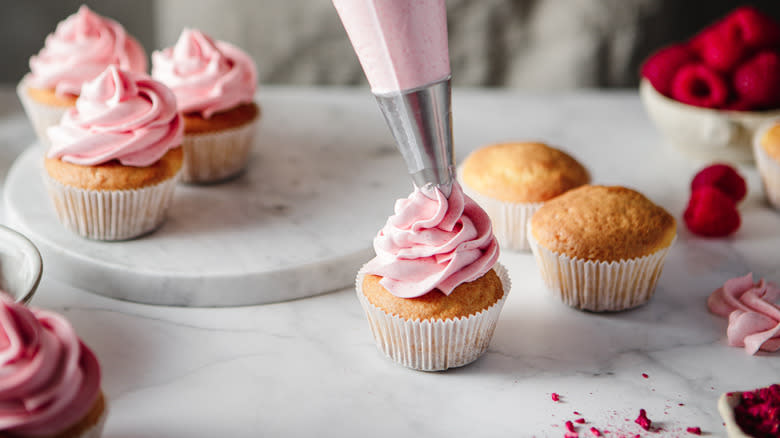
x,y
20,265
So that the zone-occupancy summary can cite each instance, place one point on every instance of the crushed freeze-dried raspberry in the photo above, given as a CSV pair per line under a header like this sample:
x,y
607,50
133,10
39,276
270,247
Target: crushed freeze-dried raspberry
x,y
571,435
580,420
758,412
577,413
694,430
595,432
570,426
645,375
642,420
555,397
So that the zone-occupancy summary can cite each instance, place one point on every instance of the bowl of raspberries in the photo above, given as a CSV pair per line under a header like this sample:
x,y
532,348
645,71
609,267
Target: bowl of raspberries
x,y
710,94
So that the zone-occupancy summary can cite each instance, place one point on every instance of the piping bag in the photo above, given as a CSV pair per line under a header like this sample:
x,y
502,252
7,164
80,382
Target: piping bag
x,y
402,47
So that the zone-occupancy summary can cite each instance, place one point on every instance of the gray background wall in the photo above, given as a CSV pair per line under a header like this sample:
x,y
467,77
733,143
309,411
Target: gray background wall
x,y
536,44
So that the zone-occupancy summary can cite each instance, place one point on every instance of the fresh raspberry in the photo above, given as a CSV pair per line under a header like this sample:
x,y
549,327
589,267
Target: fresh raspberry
x,y
754,28
661,66
721,49
697,84
722,177
711,213
738,104
757,81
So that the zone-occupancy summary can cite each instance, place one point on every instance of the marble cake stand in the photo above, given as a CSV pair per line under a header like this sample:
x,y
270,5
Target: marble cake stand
x,y
285,229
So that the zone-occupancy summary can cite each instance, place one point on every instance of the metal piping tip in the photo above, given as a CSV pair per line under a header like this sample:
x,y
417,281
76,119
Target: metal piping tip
x,y
420,120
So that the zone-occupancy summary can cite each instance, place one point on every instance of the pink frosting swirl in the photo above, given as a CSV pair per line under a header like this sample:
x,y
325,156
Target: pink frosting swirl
x,y
119,116
433,242
207,76
754,318
83,45
49,379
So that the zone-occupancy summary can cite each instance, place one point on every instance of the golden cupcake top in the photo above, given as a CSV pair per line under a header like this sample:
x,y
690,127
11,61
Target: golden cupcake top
x,y
771,142
522,172
603,223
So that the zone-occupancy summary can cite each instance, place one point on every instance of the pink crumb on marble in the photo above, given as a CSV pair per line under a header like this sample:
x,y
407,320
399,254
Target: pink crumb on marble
x,y
694,430
570,426
642,420
595,432
580,421
555,397
577,413
645,375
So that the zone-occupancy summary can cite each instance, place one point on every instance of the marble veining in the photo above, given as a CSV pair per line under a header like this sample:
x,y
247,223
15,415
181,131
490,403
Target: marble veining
x,y
309,367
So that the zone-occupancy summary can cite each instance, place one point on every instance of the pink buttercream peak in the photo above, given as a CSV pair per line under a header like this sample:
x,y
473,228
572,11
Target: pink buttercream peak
x,y
81,47
207,76
753,313
48,378
433,242
121,116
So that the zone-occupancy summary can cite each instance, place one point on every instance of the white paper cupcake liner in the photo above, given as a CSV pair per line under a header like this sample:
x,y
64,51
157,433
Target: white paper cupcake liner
x,y
768,168
510,219
599,286
41,115
433,345
216,156
111,214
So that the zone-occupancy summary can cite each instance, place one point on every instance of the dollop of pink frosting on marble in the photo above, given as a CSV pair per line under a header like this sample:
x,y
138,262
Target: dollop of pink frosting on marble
x,y
207,76
122,116
433,242
753,313
81,47
49,379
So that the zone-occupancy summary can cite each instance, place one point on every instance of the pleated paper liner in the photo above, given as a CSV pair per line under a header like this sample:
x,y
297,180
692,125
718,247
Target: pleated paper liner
x,y
111,214
41,116
216,156
433,345
599,286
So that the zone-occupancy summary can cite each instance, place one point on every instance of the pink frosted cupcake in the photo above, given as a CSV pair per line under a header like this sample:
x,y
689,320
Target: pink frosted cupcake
x,y
434,291
214,83
49,380
115,158
83,45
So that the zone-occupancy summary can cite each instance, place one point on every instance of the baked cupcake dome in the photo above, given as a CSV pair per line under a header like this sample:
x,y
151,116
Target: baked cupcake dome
x,y
766,150
115,157
512,180
81,48
601,248
214,83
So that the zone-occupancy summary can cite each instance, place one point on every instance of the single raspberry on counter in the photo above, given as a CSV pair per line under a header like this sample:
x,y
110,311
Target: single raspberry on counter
x,y
711,213
661,66
697,84
757,80
722,177
756,29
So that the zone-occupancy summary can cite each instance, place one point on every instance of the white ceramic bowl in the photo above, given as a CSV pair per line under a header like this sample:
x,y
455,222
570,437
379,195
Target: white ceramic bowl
x,y
20,265
726,404
702,133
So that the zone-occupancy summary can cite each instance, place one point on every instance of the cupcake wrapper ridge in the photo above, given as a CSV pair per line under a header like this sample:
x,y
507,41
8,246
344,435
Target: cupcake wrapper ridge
x,y
509,219
41,116
433,345
216,156
111,214
599,286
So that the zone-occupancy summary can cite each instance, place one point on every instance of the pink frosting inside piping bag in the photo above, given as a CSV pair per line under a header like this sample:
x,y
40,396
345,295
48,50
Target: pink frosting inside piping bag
x,y
121,116
433,242
81,47
754,316
206,76
49,379
401,44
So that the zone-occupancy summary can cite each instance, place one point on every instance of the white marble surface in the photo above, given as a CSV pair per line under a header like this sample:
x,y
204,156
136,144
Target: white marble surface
x,y
309,367
274,233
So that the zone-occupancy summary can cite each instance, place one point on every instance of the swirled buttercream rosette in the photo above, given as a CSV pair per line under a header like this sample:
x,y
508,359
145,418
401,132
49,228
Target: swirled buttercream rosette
x,y
433,244
49,379
211,80
599,286
81,48
124,118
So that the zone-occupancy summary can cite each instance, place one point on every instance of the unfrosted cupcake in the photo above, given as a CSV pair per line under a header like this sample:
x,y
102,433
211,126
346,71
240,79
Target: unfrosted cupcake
x,y
512,180
766,150
601,248
434,291
49,379
115,158
214,83
81,48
